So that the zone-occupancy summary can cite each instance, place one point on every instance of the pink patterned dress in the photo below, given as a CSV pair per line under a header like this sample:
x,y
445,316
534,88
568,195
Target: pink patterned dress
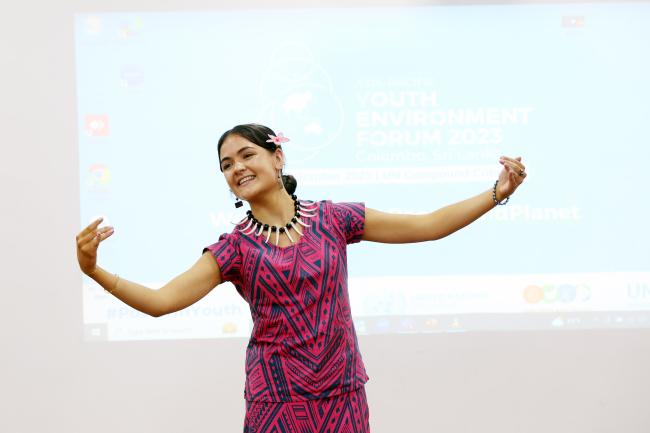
x,y
304,371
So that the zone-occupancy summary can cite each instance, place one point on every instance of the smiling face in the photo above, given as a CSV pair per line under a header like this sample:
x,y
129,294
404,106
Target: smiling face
x,y
249,169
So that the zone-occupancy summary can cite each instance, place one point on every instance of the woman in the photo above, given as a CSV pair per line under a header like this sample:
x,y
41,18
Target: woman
x,y
287,259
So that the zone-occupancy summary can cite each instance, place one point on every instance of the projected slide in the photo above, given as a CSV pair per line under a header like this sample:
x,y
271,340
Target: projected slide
x,y
405,109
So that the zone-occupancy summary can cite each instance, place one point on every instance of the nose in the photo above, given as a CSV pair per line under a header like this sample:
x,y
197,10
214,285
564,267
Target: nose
x,y
238,166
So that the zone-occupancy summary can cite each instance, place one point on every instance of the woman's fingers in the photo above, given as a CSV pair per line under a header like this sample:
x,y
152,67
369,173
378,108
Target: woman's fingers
x,y
88,237
514,164
95,237
103,233
94,242
516,161
514,170
511,166
88,233
88,241
90,228
516,174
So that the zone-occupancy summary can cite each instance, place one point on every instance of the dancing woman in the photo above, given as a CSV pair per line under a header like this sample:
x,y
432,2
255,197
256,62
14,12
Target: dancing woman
x,y
287,259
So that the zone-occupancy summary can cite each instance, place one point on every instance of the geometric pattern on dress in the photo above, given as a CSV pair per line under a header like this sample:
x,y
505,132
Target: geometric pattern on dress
x,y
343,413
303,344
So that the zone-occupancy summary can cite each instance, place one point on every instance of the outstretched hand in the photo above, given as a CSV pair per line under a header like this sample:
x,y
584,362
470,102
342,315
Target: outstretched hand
x,y
512,175
87,243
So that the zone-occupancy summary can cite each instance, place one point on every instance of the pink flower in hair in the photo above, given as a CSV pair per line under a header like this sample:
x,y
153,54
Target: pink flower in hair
x,y
277,140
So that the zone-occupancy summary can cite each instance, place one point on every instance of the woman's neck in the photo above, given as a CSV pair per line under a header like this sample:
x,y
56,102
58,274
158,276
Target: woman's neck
x,y
274,208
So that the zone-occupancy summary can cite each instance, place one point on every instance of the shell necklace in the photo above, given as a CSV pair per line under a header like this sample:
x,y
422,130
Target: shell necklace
x,y
254,226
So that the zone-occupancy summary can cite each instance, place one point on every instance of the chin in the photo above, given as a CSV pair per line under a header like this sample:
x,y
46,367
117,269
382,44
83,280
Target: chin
x,y
248,194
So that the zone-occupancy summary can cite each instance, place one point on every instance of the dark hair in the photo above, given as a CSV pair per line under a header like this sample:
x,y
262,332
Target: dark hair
x,y
258,134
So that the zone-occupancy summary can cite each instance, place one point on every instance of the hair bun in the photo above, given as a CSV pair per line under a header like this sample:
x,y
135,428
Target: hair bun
x,y
290,183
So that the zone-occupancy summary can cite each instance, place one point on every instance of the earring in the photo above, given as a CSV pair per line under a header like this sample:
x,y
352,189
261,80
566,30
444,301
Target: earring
x,y
238,202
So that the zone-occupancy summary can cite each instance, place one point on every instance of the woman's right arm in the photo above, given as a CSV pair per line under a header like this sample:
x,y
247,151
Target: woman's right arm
x,y
180,292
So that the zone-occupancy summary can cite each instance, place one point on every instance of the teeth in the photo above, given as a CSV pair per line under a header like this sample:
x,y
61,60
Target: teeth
x,y
245,179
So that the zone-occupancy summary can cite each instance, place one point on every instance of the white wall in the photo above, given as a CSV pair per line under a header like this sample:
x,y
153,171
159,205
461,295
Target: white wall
x,y
51,381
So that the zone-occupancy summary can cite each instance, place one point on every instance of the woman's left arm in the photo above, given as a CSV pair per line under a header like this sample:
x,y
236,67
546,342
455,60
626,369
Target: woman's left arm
x,y
400,228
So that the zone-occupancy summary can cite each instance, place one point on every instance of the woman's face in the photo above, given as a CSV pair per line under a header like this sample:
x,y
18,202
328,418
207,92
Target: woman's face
x,y
248,168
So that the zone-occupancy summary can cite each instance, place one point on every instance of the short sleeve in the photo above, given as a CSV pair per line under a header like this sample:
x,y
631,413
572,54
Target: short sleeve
x,y
227,255
350,219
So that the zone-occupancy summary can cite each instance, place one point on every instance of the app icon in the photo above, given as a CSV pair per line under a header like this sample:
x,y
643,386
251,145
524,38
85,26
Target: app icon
x,y
407,324
97,125
229,328
573,21
382,325
100,175
130,29
93,25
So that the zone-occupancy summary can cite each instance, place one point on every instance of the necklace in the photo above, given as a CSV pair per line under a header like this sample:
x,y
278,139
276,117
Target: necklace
x,y
254,226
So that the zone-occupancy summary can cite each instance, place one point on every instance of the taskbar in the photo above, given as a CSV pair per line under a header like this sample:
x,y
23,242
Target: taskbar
x,y
142,329
371,325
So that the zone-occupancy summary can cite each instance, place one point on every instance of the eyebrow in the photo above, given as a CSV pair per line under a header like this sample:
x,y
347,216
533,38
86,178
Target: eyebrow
x,y
238,152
